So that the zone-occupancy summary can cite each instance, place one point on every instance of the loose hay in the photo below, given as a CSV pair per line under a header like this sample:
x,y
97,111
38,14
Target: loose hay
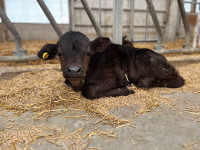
x,y
43,92
26,134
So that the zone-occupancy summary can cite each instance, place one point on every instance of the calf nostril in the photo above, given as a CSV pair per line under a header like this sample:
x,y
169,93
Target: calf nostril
x,y
74,69
69,70
79,69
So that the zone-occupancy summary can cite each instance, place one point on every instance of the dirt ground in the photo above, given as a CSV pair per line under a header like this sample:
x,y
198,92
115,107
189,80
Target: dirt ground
x,y
38,111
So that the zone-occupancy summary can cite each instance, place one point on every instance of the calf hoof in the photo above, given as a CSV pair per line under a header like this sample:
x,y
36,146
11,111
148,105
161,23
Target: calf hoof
x,y
145,82
131,92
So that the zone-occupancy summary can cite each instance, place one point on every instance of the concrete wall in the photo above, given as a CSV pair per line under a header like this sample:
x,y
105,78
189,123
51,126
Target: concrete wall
x,y
172,20
83,24
167,12
33,31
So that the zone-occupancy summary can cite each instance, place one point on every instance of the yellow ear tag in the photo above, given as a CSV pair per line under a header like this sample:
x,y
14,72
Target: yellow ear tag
x,y
45,55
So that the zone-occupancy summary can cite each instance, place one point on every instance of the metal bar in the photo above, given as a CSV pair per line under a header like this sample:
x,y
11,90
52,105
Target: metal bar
x,y
185,21
152,40
100,13
18,59
178,27
12,29
185,59
50,17
91,16
166,17
191,14
117,21
132,19
156,22
71,14
191,2
173,51
125,9
146,28
124,26
2,4
35,57
193,7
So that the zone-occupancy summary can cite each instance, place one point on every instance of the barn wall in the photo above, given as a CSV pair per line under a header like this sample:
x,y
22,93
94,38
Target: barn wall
x,y
29,31
172,20
83,24
168,22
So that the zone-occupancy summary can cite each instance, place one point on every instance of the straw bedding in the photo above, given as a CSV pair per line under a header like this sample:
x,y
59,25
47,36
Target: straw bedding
x,y
27,134
43,92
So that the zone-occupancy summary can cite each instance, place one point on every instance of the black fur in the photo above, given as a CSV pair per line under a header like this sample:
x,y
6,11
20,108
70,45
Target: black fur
x,y
107,69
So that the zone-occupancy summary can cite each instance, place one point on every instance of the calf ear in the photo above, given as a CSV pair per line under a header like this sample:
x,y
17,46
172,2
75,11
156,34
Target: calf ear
x,y
48,51
124,37
99,44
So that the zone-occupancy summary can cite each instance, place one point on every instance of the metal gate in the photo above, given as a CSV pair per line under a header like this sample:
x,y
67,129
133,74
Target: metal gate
x,y
21,55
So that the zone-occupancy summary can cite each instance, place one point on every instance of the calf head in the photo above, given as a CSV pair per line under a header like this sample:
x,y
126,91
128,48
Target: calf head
x,y
74,51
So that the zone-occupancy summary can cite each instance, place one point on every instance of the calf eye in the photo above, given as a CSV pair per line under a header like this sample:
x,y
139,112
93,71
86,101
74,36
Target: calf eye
x,y
87,54
59,54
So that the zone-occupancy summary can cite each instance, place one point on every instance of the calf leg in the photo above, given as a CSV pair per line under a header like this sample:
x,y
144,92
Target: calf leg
x,y
162,75
145,82
92,91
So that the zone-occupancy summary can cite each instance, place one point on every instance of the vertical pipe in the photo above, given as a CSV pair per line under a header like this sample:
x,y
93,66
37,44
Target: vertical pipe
x,y
91,16
12,29
117,21
146,28
166,17
100,13
132,19
156,22
178,28
185,21
2,4
193,7
71,14
50,17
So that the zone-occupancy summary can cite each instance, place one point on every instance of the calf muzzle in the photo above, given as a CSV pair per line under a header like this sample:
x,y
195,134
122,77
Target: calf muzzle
x,y
74,71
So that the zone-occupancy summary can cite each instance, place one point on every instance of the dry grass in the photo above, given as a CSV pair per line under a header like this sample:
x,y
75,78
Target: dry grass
x,y
26,134
43,92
